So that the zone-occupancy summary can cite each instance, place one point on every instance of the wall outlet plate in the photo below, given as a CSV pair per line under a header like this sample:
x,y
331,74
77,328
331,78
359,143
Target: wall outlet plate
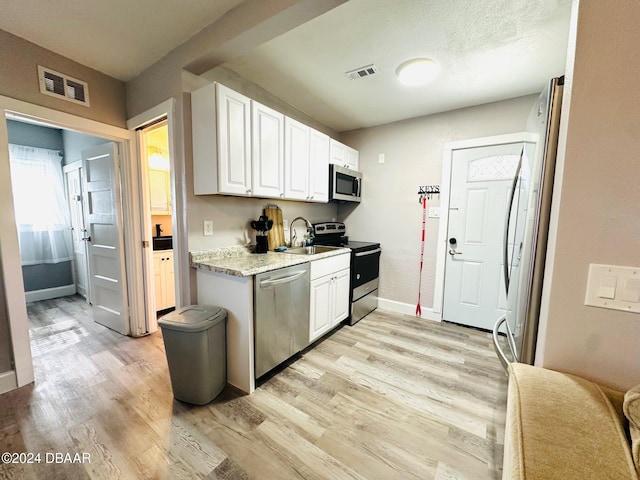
x,y
208,228
613,287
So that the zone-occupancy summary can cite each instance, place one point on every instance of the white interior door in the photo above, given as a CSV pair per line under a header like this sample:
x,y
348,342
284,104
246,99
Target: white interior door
x,y
105,240
73,179
481,180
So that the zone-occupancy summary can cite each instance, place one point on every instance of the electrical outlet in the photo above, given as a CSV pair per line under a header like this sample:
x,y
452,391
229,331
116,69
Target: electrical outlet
x,y
208,227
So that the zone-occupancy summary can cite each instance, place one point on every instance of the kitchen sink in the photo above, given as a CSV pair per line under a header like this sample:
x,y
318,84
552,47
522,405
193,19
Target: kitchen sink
x,y
312,250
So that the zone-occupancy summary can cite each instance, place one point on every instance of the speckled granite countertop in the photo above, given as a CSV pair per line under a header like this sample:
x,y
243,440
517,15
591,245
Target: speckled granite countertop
x,y
241,262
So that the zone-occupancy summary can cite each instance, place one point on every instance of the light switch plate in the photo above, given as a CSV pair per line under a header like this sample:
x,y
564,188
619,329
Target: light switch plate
x,y
614,287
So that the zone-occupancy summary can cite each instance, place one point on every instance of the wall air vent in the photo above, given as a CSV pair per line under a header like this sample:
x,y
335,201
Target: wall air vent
x,y
362,72
63,86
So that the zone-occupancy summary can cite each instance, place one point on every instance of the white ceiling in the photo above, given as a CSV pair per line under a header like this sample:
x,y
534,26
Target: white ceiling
x,y
117,37
488,50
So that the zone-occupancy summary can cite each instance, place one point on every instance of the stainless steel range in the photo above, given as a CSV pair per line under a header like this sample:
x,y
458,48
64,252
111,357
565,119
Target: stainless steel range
x,y
365,267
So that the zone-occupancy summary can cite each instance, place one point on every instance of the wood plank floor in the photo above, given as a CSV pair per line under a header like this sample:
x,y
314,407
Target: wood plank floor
x,y
393,397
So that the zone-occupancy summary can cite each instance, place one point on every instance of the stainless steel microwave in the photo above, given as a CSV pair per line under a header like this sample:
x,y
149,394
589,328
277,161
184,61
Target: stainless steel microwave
x,y
344,185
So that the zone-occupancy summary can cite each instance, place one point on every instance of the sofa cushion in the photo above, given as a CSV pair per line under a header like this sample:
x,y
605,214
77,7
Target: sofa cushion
x,y
562,426
632,412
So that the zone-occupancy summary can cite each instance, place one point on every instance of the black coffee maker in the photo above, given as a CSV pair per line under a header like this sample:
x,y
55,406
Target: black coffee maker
x,y
262,225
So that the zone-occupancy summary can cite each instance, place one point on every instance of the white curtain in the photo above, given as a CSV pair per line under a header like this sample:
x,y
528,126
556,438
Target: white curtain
x,y
42,213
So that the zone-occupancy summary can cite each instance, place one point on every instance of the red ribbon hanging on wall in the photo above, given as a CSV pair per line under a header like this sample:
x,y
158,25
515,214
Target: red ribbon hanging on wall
x,y
424,226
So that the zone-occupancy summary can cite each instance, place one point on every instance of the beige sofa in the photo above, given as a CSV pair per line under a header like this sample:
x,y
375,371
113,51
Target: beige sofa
x,y
561,426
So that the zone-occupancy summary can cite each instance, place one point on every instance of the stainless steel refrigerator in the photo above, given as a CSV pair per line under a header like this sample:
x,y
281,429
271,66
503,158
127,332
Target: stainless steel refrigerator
x,y
526,229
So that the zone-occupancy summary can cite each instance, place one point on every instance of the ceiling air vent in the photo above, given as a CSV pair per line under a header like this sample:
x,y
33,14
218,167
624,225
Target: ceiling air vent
x,y
63,86
362,72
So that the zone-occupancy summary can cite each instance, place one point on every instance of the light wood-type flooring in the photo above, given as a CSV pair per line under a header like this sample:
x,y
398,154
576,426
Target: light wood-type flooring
x,y
394,397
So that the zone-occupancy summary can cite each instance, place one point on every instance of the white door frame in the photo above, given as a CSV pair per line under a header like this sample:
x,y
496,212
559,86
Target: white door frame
x,y
12,269
445,190
178,210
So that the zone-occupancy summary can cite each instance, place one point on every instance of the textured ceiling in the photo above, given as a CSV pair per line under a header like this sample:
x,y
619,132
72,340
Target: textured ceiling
x,y
488,50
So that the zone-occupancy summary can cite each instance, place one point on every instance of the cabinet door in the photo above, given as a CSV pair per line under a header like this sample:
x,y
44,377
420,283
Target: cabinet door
x,y
158,280
340,298
159,192
234,141
267,152
338,153
318,166
353,158
320,306
163,279
169,280
296,160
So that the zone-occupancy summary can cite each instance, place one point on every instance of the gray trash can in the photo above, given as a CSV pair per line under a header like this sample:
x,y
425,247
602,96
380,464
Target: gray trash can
x,y
195,343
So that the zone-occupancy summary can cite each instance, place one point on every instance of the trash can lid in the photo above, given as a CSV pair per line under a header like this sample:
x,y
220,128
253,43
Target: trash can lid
x,y
193,318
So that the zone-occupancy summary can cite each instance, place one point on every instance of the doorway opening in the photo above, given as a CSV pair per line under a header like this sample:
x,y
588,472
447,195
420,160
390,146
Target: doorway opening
x,y
65,188
156,168
476,180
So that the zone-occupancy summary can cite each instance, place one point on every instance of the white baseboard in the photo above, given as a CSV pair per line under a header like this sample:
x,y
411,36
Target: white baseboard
x,y
48,293
8,381
407,309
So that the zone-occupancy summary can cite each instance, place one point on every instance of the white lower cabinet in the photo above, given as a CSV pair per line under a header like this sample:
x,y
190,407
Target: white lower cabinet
x,y
164,279
329,294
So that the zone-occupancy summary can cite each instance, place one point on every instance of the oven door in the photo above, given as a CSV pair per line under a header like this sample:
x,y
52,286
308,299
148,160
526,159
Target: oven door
x,y
345,184
364,272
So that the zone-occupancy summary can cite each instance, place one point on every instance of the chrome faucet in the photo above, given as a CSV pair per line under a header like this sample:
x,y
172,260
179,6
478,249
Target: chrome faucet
x,y
292,231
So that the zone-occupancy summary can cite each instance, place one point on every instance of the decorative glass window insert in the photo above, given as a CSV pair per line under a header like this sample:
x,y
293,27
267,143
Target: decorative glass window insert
x,y
496,167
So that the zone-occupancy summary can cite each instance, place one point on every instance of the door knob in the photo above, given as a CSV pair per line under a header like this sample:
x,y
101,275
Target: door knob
x,y
454,252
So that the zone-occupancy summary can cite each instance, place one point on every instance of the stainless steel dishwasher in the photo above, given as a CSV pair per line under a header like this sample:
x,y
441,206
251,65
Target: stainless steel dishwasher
x,y
281,316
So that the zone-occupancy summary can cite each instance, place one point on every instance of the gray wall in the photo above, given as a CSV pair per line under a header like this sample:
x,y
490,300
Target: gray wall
x,y
37,277
19,80
74,143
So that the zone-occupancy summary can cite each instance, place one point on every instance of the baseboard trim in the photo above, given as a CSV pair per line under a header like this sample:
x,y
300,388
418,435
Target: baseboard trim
x,y
8,381
49,293
407,309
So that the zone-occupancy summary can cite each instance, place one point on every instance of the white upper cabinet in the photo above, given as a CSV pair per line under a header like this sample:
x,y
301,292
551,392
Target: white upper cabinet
x,y
159,192
344,155
318,166
221,123
241,147
306,163
267,132
296,160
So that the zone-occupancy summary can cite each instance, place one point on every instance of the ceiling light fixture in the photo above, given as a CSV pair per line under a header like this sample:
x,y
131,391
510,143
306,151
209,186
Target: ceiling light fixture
x,y
417,71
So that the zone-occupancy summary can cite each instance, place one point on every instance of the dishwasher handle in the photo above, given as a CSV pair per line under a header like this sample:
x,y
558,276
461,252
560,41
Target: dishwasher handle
x,y
280,280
